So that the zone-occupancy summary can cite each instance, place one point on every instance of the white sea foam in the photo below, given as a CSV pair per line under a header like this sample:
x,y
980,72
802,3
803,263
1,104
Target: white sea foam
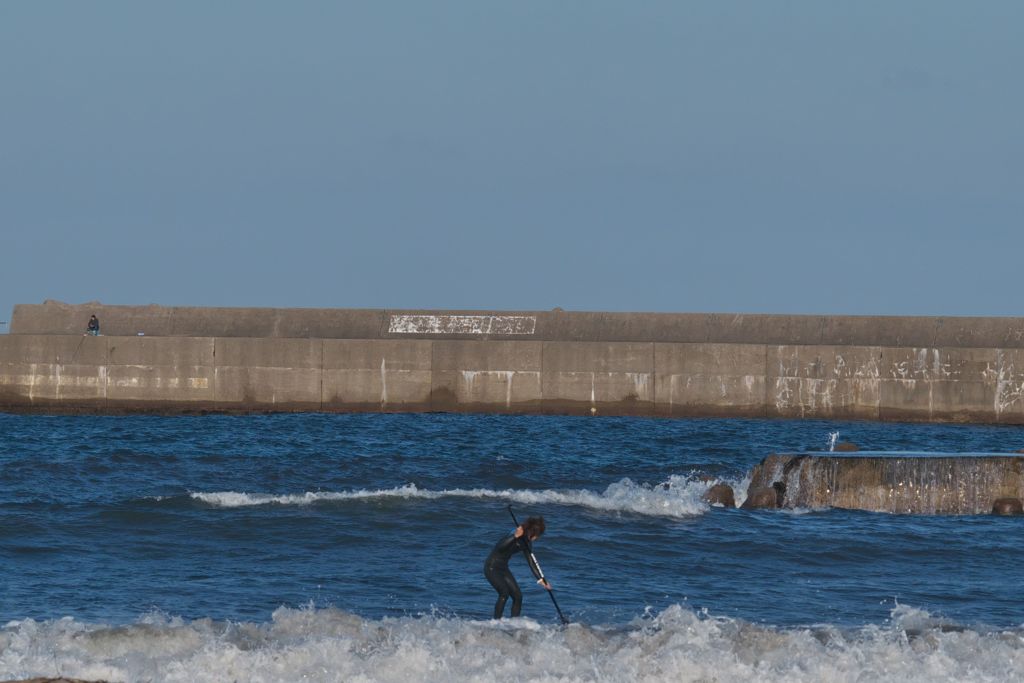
x,y
676,645
679,496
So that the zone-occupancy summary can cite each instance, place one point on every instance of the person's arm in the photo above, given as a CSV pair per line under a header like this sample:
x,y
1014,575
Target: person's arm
x,y
531,561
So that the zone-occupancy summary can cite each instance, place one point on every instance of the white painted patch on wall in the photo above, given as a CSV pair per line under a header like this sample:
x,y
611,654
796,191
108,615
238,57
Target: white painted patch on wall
x,y
869,370
55,380
807,395
1008,391
789,367
921,368
593,394
921,362
462,324
783,393
33,373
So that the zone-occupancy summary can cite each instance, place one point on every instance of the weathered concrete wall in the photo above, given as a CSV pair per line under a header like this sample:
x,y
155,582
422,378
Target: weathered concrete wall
x,y
926,369
710,379
824,381
50,372
275,374
593,377
170,374
149,374
376,375
491,376
174,321
557,325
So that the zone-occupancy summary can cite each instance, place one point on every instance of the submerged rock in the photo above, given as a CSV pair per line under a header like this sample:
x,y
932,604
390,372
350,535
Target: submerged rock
x,y
1007,506
847,447
761,499
721,494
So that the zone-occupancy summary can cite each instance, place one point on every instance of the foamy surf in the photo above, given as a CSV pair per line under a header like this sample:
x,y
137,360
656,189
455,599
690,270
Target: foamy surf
x,y
679,496
333,645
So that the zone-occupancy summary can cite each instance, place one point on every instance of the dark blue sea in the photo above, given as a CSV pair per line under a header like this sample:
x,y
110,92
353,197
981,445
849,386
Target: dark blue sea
x,y
350,548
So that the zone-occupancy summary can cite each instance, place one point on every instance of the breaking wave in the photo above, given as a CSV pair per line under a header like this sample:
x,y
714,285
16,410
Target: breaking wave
x,y
679,496
675,645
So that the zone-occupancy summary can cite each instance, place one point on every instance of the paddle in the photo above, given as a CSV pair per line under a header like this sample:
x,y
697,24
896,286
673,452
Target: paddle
x,y
529,549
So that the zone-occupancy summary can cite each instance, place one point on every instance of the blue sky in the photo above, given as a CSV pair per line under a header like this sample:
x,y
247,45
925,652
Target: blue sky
x,y
775,157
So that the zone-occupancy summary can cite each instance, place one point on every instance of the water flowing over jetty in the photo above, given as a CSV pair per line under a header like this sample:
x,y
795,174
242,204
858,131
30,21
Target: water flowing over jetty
x,y
895,482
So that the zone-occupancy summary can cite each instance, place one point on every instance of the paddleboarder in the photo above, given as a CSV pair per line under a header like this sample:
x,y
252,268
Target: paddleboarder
x,y
496,566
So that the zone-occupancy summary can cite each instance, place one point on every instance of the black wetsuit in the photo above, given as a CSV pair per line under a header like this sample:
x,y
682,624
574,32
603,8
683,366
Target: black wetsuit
x,y
497,572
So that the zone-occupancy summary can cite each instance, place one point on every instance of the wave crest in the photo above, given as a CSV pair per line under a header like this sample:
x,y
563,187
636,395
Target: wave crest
x,y
679,496
333,645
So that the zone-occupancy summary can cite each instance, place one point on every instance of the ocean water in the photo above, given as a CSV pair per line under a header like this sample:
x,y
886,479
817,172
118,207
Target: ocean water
x,y
350,548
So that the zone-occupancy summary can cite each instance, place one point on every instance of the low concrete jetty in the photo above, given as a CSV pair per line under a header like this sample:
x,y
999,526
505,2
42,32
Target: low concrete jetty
x,y
187,359
894,482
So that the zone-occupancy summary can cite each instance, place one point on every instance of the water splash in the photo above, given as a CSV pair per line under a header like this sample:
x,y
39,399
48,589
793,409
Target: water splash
x,y
833,437
676,644
678,496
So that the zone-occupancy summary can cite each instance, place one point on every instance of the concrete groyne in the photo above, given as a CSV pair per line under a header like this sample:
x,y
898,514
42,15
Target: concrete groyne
x,y
902,483
179,359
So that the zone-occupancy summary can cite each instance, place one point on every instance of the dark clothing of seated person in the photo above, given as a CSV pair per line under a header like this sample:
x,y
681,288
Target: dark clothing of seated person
x,y
94,326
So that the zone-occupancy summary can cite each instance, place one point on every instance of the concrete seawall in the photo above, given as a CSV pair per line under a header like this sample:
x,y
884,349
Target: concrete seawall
x,y
926,369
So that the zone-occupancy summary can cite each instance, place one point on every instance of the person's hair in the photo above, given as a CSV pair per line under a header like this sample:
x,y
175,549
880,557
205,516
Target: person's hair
x,y
533,527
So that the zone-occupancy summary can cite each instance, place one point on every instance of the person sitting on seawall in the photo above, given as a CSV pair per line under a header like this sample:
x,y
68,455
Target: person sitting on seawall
x,y
496,566
93,328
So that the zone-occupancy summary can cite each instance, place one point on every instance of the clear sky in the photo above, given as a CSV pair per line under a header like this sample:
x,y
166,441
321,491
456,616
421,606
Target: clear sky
x,y
776,157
